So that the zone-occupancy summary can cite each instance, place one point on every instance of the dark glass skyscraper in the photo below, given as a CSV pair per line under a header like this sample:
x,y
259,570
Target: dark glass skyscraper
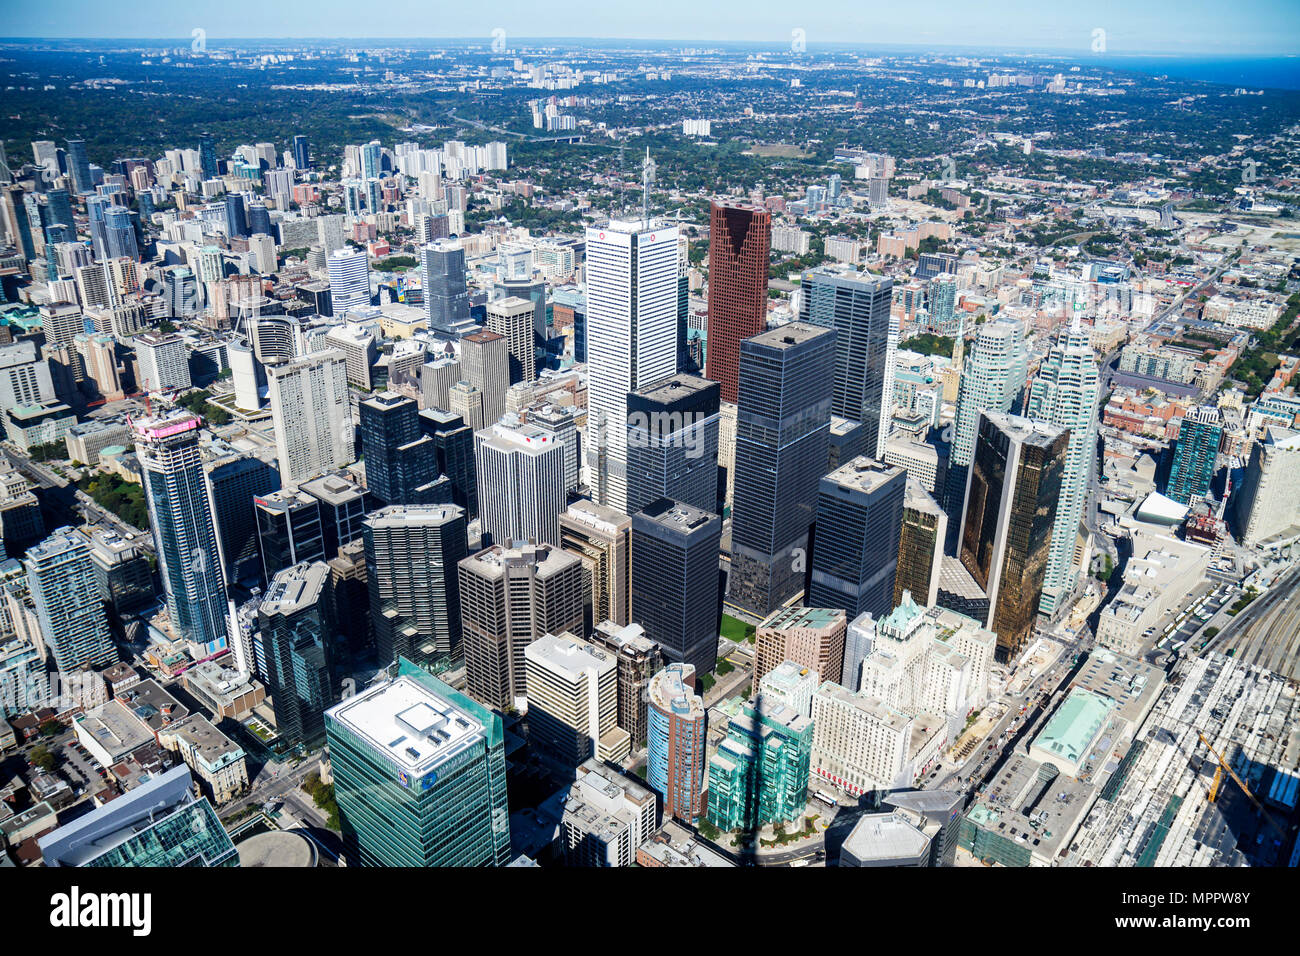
x,y
1011,495
301,152
289,530
401,461
207,156
782,443
675,580
236,217
454,441
233,482
297,632
740,241
446,295
412,553
79,167
672,443
855,550
856,305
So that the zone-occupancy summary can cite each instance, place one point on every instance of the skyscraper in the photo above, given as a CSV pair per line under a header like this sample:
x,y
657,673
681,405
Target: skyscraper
x,y
1011,494
297,631
419,775
992,379
1268,502
509,598
181,519
311,415
401,461
759,774
301,152
601,538
454,443
289,530
855,551
237,222
521,483
920,546
79,168
1066,392
856,305
485,363
513,318
782,443
573,699
69,607
120,233
811,637
411,557
446,296
233,481
208,157
349,275
675,580
740,239
675,742
631,337
672,443
1196,453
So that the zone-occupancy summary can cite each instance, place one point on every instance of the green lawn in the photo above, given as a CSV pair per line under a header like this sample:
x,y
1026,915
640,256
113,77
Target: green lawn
x,y
734,629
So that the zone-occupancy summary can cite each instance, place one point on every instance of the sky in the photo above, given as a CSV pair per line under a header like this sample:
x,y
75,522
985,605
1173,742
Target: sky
x,y
1241,28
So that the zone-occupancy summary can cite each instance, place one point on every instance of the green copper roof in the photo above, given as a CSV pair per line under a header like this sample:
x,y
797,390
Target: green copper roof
x,y
1075,725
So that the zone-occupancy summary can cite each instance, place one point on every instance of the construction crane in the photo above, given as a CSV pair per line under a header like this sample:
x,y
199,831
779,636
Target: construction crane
x,y
1218,779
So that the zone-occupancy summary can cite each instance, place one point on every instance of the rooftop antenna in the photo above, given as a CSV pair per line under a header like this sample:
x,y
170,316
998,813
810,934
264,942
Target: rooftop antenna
x,y
647,177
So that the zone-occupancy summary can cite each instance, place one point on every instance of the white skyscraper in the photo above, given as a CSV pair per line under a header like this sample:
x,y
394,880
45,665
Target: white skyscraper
x,y
311,415
1065,393
631,337
349,273
521,483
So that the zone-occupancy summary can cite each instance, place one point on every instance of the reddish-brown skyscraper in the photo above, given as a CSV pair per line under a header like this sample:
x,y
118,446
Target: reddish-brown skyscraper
x,y
740,239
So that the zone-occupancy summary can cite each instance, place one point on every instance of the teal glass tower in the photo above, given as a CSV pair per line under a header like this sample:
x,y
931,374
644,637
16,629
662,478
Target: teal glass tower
x,y
759,774
419,775
1195,454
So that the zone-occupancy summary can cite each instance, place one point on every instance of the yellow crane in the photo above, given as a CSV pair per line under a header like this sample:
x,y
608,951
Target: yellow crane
x,y
1218,778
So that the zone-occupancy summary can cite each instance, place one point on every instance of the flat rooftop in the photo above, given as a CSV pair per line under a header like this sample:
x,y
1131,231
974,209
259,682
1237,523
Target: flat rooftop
x,y
788,336
413,727
815,618
864,474
886,836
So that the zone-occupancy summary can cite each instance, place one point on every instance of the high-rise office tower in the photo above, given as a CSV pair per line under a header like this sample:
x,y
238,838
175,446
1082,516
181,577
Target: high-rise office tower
x,y
466,401
531,288
401,461
79,167
759,774
510,597
601,538
782,442
208,157
120,233
675,580
344,504
920,546
297,631
631,337
69,606
437,376
1011,494
233,481
237,219
672,443
512,318
411,556
1196,452
855,550
572,689
301,152
812,637
419,775
1066,392
485,364
446,295
521,487
349,275
992,379
675,742
181,519
1268,503
856,305
740,239
259,224
561,421
639,659
453,441
311,415
289,530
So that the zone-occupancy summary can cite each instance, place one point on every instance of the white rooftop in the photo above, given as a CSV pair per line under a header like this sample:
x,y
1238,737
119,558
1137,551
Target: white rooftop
x,y
415,728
